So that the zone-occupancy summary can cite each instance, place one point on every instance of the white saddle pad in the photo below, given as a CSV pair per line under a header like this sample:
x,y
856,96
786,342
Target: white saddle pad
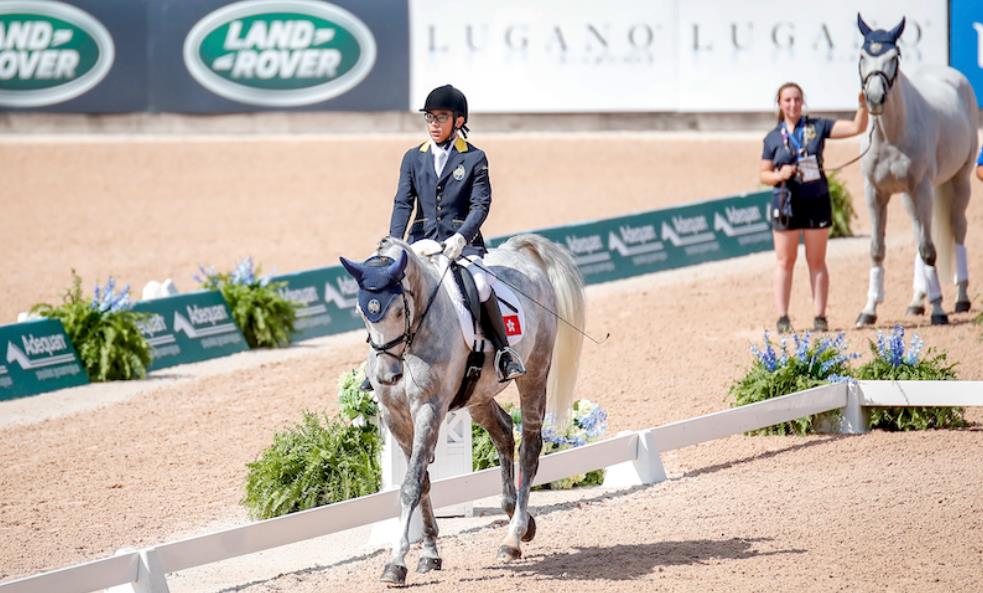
x,y
513,313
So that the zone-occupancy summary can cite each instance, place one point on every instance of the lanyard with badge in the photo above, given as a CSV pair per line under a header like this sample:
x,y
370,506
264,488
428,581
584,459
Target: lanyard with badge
x,y
808,164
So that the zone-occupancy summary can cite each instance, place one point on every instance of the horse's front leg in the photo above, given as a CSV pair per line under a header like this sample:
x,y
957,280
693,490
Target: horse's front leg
x,y
416,484
877,204
919,203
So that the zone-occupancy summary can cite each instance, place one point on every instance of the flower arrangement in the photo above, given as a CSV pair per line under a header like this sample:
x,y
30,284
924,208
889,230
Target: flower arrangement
x,y
893,361
264,316
320,460
587,423
809,363
104,330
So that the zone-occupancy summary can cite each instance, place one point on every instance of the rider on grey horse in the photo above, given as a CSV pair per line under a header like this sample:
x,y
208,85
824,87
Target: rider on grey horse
x,y
445,180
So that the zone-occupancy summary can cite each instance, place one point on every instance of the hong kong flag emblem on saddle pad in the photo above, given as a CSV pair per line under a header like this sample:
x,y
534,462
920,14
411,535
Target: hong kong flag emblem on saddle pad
x,y
513,327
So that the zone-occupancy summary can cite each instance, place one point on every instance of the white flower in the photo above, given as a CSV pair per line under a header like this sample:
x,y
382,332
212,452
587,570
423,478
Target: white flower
x,y
359,421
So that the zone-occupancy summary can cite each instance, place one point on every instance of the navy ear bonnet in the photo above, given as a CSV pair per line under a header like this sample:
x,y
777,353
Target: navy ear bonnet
x,y
879,41
379,281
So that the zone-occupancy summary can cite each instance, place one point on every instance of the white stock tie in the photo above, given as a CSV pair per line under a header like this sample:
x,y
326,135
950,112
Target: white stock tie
x,y
439,160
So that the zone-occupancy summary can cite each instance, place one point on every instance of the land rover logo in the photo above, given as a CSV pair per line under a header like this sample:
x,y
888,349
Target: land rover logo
x,y
279,53
49,52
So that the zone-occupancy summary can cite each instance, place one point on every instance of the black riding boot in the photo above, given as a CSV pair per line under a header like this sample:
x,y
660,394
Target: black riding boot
x,y
507,361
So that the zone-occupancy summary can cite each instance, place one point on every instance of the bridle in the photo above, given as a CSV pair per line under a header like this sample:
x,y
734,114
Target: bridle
x,y
409,333
888,80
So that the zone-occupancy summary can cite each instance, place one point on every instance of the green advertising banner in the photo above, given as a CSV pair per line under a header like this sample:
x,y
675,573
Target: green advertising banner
x,y
189,327
37,357
327,297
616,248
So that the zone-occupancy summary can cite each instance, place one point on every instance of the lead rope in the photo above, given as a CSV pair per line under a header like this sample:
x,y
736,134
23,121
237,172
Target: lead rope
x,y
870,137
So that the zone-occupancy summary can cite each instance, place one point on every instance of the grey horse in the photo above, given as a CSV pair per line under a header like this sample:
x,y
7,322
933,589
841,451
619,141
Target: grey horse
x,y
417,361
923,145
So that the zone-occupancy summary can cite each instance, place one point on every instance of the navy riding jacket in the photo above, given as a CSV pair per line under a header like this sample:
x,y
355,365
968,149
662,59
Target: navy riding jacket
x,y
457,202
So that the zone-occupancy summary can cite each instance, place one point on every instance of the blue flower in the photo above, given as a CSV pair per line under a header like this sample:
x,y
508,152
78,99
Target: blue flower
x,y
205,275
245,273
108,300
916,348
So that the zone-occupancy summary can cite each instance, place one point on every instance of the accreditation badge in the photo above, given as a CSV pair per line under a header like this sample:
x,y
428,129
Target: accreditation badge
x,y
808,169
810,133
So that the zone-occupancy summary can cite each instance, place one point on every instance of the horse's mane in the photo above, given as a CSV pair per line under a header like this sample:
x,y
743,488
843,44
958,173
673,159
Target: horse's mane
x,y
424,272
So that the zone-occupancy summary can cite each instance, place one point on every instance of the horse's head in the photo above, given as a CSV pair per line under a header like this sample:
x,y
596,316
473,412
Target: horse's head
x,y
384,304
879,63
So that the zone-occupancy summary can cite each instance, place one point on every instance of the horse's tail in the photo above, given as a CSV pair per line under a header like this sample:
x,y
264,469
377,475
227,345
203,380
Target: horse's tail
x,y
568,285
942,233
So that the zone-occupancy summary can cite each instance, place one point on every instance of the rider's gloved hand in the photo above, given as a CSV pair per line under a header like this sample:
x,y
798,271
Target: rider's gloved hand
x,y
454,246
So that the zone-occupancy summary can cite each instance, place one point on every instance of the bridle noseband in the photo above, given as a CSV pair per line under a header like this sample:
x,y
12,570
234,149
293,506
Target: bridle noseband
x,y
888,81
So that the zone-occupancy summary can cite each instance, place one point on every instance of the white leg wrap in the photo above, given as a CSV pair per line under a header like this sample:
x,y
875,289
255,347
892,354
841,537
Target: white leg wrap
x,y
962,265
480,281
875,294
934,291
919,279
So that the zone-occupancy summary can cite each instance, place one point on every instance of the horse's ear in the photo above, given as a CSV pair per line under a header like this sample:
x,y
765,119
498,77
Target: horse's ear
x,y
897,31
353,269
864,29
397,267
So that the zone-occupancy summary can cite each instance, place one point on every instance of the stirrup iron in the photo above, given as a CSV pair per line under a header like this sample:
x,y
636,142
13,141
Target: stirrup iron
x,y
517,368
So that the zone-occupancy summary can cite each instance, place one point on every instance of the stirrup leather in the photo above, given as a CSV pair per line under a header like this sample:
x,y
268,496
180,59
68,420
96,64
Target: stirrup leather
x,y
502,377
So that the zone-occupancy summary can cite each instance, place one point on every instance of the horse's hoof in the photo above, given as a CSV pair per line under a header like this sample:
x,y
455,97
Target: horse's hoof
x,y
394,574
963,306
530,530
866,320
427,564
940,319
915,310
508,553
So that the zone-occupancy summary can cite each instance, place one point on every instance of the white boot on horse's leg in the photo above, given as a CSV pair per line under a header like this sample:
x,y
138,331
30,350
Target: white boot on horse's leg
x,y
875,295
917,307
935,296
962,280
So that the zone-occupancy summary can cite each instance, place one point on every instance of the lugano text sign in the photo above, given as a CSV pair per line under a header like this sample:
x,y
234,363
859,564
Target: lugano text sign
x,y
663,55
37,356
50,52
280,53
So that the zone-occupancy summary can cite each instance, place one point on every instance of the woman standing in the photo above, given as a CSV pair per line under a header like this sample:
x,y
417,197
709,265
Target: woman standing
x,y
792,161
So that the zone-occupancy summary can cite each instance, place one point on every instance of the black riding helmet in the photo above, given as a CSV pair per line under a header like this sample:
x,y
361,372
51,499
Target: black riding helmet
x,y
450,98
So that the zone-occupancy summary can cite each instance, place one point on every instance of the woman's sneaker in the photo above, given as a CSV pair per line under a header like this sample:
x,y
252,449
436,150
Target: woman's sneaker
x,y
784,324
820,324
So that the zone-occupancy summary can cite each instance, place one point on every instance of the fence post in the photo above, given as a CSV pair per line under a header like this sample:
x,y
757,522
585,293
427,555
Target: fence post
x,y
646,468
855,418
150,576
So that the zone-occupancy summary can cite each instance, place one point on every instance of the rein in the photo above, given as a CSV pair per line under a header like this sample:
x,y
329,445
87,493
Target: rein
x,y
409,334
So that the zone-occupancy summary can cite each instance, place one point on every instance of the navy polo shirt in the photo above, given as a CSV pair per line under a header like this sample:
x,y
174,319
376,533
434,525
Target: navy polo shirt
x,y
781,150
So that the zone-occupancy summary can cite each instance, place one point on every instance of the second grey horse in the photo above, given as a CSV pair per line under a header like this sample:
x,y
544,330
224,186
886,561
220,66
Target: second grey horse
x,y
923,145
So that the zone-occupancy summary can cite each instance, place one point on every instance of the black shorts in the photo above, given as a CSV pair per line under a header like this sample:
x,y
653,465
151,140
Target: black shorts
x,y
807,213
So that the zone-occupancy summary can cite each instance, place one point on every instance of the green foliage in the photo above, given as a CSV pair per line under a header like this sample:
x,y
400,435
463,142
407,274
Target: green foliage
x,y
318,461
357,406
842,202
780,372
105,332
264,316
890,363
587,423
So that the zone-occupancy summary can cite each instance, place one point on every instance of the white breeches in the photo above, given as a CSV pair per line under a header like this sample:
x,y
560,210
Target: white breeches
x,y
480,280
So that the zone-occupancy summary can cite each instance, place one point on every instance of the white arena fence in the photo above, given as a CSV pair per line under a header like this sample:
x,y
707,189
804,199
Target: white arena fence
x,y
633,458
